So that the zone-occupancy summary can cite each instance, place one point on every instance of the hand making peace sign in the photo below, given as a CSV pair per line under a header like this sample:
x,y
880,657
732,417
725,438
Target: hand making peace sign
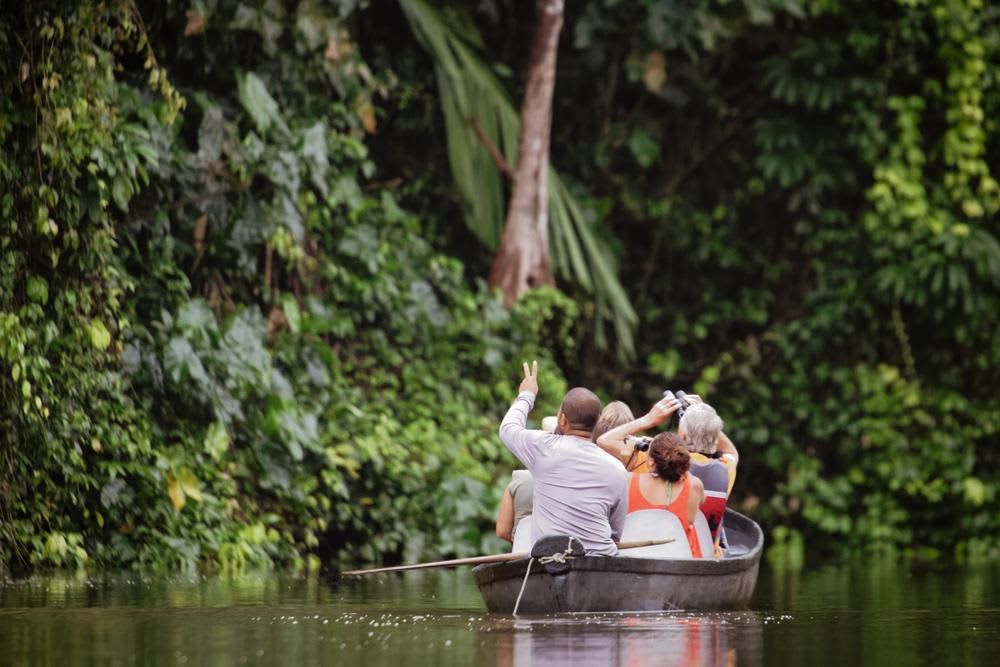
x,y
530,381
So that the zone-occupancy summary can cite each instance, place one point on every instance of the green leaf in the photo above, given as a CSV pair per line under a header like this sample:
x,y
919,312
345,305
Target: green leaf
x,y
313,24
643,147
38,290
100,337
314,150
245,358
263,108
296,428
181,361
975,491
295,449
121,191
292,313
216,440
196,316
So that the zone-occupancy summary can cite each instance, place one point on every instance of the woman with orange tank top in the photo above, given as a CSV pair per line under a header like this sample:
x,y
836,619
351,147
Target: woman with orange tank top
x,y
668,486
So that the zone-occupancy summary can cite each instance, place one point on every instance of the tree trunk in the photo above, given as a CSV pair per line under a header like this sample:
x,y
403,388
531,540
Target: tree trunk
x,y
522,260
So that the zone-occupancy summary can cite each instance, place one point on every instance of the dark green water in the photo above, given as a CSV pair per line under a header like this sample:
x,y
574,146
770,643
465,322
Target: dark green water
x,y
836,615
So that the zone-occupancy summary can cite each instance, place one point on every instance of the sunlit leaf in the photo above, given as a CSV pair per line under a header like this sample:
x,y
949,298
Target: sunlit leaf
x,y
216,440
188,483
100,337
175,492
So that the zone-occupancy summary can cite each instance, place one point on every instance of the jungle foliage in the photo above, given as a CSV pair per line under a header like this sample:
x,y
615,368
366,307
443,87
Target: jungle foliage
x,y
242,311
806,191
222,344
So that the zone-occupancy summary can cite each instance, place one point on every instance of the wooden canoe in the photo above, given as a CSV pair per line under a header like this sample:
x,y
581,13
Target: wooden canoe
x,y
621,583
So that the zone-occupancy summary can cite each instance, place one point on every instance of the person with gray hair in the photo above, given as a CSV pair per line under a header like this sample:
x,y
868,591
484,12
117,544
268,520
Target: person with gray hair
x,y
701,425
713,455
713,460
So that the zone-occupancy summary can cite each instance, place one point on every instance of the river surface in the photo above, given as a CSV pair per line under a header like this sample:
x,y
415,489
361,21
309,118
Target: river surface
x,y
882,614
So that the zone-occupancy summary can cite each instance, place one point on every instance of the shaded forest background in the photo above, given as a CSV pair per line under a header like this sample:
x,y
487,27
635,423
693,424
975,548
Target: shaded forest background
x,y
243,313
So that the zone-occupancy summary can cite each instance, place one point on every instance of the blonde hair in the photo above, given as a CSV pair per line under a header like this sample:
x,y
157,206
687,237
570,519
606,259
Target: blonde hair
x,y
612,416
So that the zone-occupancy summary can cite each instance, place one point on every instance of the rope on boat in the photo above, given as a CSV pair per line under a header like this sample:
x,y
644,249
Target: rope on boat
x,y
523,584
558,557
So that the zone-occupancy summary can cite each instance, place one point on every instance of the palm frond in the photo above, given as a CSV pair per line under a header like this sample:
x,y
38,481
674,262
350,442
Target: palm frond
x,y
471,93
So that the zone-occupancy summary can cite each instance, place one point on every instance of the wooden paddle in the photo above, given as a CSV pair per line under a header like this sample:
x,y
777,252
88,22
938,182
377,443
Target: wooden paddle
x,y
477,560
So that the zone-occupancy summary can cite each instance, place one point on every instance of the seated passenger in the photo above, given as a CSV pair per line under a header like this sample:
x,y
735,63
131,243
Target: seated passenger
x,y
579,489
713,455
614,441
515,504
518,497
713,459
666,485
613,415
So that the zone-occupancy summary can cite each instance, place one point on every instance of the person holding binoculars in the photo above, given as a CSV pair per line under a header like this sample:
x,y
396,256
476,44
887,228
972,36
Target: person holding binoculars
x,y
712,458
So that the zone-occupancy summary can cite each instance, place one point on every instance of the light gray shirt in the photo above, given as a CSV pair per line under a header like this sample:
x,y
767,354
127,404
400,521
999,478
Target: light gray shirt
x,y
580,490
522,492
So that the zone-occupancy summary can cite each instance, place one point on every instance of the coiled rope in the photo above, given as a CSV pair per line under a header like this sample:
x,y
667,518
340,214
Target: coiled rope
x,y
558,557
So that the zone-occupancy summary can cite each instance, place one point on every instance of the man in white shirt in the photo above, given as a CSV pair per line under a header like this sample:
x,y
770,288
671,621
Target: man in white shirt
x,y
580,490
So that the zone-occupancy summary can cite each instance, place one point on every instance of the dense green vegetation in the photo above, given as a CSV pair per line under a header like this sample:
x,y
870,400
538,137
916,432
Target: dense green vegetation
x,y
242,314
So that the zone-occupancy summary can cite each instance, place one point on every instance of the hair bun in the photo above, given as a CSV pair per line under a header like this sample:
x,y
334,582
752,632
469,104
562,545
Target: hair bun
x,y
669,456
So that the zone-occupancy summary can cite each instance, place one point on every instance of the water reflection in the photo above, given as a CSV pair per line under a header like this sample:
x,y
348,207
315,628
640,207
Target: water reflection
x,y
632,640
872,613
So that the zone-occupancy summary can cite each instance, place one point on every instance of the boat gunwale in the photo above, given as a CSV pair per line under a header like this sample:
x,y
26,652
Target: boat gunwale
x,y
493,572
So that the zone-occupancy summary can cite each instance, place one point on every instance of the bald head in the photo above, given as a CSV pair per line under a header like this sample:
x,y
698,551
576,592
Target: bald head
x,y
580,408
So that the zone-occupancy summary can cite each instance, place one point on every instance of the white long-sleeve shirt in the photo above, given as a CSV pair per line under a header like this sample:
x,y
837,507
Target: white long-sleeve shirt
x,y
580,490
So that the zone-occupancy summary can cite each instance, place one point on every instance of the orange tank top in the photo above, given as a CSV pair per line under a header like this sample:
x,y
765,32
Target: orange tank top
x,y
637,502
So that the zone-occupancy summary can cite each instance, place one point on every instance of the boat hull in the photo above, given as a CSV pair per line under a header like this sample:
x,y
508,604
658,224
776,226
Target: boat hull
x,y
607,584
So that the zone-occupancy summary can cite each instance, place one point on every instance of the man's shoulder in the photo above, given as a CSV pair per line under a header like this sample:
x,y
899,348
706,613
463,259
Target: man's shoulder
x,y
538,437
609,462
545,444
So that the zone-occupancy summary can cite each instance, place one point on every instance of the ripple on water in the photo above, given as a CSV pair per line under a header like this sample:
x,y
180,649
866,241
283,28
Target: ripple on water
x,y
826,617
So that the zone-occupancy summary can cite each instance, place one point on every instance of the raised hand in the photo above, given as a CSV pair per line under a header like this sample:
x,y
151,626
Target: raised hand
x,y
530,381
662,410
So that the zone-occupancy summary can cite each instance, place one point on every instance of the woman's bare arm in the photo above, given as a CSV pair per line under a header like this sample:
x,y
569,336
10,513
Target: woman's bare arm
x,y
613,442
505,517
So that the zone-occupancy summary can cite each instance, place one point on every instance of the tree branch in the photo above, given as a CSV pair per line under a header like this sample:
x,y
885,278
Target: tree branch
x,y
492,149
